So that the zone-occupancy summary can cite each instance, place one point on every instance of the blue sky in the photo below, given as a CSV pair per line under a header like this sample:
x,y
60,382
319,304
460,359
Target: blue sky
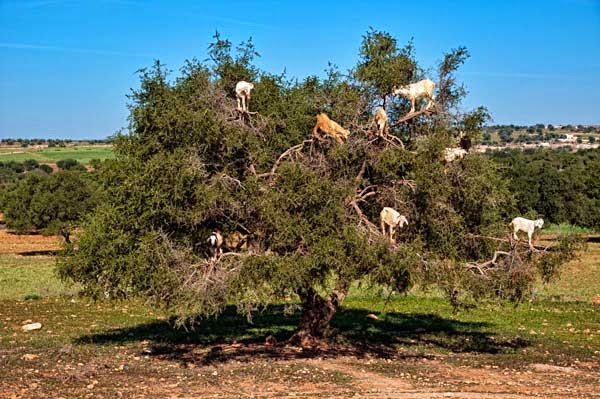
x,y
67,65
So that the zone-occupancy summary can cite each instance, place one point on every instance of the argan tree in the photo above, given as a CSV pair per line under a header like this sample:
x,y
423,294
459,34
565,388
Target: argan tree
x,y
51,204
308,207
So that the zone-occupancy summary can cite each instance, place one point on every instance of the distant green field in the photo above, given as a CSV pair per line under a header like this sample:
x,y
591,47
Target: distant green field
x,y
83,154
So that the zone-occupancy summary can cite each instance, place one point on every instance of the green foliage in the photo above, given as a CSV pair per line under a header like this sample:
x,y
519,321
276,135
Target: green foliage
x,y
53,204
561,186
192,164
382,65
70,164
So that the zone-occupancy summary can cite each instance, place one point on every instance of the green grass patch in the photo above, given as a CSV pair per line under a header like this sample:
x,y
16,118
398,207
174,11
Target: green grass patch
x,y
83,154
563,228
24,277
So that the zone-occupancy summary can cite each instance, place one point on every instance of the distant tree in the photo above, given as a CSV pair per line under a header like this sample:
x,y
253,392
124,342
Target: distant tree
x,y
46,168
70,164
53,204
592,139
30,164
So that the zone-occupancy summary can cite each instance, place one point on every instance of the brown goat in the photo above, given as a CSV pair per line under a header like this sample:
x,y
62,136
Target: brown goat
x,y
381,121
331,128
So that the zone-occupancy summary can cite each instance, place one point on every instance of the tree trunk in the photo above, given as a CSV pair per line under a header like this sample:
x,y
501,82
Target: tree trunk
x,y
317,312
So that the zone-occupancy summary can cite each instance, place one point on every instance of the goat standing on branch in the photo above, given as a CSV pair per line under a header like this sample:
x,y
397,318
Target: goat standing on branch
x,y
330,127
526,225
381,121
242,94
215,244
413,91
391,218
452,154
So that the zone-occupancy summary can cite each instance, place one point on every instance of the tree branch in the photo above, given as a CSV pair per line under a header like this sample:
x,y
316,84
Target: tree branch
x,y
412,115
286,153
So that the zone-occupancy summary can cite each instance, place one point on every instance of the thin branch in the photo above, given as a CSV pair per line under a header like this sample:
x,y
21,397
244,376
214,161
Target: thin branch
x,y
412,115
361,173
482,266
286,153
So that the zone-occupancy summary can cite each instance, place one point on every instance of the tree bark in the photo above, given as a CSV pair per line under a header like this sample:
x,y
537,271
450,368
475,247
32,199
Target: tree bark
x,y
317,313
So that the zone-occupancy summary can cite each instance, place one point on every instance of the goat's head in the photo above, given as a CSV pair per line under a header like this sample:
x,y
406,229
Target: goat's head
x,y
400,90
403,221
249,88
539,223
345,133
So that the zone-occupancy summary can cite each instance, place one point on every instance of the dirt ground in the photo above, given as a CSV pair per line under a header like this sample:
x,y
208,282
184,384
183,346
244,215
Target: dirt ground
x,y
289,374
27,244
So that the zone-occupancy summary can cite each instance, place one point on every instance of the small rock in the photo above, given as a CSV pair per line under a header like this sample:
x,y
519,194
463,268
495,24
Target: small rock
x,y
32,326
420,330
596,300
68,348
29,356
372,316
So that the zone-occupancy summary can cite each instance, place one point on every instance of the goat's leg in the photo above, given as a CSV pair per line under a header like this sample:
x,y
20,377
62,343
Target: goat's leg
x,y
430,103
529,234
412,105
316,131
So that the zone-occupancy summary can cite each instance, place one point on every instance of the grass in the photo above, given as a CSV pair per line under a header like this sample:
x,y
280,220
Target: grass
x,y
563,228
83,154
31,278
127,341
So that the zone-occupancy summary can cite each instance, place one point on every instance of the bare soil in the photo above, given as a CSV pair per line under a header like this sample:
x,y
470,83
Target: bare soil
x,y
27,244
142,373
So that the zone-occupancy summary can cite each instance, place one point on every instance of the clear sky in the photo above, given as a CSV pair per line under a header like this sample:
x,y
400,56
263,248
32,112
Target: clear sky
x,y
67,65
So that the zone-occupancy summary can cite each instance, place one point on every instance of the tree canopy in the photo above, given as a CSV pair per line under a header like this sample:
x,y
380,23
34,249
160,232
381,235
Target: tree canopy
x,y
53,204
309,207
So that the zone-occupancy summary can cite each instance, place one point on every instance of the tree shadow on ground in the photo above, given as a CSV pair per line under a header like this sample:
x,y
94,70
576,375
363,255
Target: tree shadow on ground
x,y
49,252
231,337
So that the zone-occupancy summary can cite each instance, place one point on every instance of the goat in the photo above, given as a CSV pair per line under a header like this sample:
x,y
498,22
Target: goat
x,y
215,243
330,127
391,218
242,93
526,225
423,88
381,121
452,154
236,241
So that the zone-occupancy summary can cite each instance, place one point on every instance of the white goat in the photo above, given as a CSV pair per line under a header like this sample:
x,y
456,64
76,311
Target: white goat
x,y
452,154
391,218
527,226
423,88
381,121
215,243
242,93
